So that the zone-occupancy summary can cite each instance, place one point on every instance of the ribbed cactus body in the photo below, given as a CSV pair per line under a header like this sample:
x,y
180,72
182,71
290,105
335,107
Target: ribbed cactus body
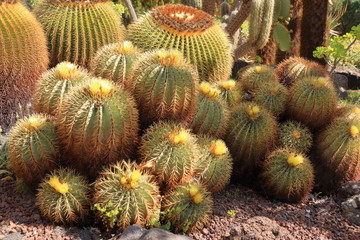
x,y
23,57
124,195
211,113
272,96
170,152
64,197
187,207
97,124
295,135
53,86
312,101
252,132
253,76
215,165
77,29
231,92
348,111
288,175
114,61
338,148
33,148
190,31
165,86
296,68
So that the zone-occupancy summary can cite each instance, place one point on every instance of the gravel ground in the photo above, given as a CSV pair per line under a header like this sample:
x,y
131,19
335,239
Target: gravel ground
x,y
319,218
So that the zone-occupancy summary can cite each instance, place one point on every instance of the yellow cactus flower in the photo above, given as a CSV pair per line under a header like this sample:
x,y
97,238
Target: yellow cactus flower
x,y
58,186
205,87
258,69
198,198
100,88
135,176
253,112
213,93
295,160
183,136
228,85
218,148
177,137
133,184
169,57
356,110
319,82
126,47
296,134
34,122
123,180
354,131
193,191
66,70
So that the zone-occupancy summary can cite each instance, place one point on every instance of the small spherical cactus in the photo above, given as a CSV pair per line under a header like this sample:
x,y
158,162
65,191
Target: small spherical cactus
x,y
338,148
295,68
170,152
125,195
54,84
348,111
114,61
211,112
252,133
231,91
214,168
187,207
295,135
165,86
288,175
33,148
272,96
312,101
64,197
253,76
97,125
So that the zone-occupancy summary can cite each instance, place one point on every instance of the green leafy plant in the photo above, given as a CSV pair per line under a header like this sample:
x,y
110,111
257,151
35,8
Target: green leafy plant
x,y
339,47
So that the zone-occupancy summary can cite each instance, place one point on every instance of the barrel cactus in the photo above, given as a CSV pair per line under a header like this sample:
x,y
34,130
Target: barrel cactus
x,y
170,152
231,91
272,96
252,133
253,76
23,57
214,168
33,148
191,31
53,85
295,135
187,207
97,125
64,197
76,29
288,175
125,195
165,86
348,111
211,112
114,61
338,148
295,68
312,101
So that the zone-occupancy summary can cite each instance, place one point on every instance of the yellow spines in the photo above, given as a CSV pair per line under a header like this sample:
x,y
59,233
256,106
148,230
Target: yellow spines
x,y
178,137
100,88
295,159
62,188
253,112
209,91
66,69
218,148
354,131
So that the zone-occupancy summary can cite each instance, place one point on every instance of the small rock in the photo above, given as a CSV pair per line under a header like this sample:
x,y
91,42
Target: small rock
x,y
160,234
14,236
134,232
205,231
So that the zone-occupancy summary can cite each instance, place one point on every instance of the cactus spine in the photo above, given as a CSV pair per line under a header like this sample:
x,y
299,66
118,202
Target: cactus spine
x,y
76,29
214,168
33,148
312,101
124,195
296,136
190,31
187,207
252,77
114,61
165,86
211,113
288,175
53,85
64,197
97,124
23,57
252,132
170,152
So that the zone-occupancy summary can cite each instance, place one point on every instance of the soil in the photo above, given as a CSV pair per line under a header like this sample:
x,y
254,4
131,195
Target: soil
x,y
319,218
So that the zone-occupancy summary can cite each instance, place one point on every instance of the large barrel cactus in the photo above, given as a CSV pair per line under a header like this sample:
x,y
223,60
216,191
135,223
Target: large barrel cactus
x,y
33,148
189,30
165,86
97,124
76,29
23,57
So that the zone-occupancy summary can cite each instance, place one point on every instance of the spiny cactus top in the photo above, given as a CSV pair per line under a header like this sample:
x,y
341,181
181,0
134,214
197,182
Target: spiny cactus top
x,y
76,29
189,30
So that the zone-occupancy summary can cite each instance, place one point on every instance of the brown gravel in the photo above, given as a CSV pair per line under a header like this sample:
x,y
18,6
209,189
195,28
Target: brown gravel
x,y
320,218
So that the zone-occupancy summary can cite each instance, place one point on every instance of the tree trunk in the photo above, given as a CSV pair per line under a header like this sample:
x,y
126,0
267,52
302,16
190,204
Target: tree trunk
x,y
236,21
209,6
131,10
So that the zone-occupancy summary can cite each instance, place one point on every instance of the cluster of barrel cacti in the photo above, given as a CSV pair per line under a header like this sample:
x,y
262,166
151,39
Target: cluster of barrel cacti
x,y
156,125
